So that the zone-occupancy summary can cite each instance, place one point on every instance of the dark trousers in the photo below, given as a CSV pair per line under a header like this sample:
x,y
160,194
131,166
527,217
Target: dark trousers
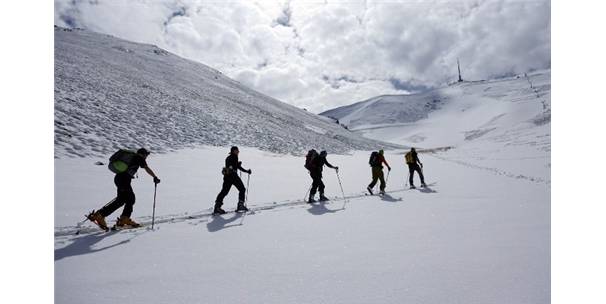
x,y
317,183
377,174
125,196
228,181
411,170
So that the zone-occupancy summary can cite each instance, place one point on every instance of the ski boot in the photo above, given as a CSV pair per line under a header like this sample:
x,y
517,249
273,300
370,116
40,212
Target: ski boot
x,y
124,221
413,187
382,192
241,207
423,185
98,220
218,209
369,190
323,198
311,200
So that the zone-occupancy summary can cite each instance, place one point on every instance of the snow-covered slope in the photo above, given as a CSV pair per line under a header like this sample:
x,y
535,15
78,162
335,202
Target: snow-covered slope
x,y
386,109
455,114
502,125
480,237
111,93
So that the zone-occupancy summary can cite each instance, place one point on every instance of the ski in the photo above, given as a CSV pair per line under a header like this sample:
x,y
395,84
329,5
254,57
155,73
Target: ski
x,y
235,211
118,228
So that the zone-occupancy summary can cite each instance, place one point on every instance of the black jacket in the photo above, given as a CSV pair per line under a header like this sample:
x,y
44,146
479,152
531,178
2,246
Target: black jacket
x,y
232,164
319,164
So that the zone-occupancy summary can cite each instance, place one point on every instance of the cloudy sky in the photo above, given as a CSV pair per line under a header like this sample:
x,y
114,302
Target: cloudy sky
x,y
323,54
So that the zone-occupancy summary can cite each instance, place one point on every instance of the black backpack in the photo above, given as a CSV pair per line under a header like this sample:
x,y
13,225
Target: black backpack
x,y
374,160
121,161
310,159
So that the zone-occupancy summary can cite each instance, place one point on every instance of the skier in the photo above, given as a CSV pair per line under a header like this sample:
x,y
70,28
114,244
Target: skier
x,y
411,160
376,162
315,163
230,177
126,196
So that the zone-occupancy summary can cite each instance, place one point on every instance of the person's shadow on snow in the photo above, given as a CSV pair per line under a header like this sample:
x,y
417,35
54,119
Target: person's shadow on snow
x,y
389,198
427,190
84,245
320,209
218,222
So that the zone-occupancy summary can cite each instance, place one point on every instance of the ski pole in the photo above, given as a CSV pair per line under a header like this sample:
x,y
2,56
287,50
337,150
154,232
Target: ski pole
x,y
341,185
247,181
154,211
307,193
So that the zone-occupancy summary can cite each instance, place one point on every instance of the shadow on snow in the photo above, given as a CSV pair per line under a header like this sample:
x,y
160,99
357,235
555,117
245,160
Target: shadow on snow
x,y
320,209
218,222
388,198
85,244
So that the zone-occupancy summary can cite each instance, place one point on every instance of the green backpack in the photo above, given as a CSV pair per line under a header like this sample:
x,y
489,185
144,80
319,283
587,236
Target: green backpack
x,y
121,161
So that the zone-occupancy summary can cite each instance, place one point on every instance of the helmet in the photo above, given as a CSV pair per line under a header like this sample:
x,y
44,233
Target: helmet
x,y
143,151
323,153
233,149
381,151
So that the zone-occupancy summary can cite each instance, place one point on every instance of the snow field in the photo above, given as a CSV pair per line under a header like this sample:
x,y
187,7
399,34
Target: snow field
x,y
474,237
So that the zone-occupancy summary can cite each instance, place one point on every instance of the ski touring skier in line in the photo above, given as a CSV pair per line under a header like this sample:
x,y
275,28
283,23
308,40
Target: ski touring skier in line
x,y
315,162
230,177
414,164
129,162
376,162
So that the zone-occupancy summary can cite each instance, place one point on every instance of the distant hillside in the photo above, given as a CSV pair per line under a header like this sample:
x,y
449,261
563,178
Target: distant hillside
x,y
499,125
386,109
456,114
111,93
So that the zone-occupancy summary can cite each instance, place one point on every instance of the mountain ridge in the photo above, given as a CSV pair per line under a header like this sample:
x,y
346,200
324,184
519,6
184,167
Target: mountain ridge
x,y
111,93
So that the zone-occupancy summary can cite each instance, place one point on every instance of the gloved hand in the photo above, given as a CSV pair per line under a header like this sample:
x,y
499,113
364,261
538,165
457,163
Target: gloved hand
x,y
337,168
156,180
249,171
421,165
389,168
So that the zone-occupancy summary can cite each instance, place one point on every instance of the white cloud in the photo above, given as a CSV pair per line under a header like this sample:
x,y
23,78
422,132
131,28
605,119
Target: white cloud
x,y
323,55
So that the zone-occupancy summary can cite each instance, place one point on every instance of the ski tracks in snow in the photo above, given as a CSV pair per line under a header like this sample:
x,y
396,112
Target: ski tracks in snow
x,y
496,171
79,229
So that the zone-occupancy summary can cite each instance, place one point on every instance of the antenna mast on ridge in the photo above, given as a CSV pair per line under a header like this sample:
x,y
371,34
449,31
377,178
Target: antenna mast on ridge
x,y
459,67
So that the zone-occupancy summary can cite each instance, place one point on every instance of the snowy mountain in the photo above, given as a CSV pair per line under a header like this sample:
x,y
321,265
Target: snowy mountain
x,y
452,115
480,233
502,125
111,93
386,110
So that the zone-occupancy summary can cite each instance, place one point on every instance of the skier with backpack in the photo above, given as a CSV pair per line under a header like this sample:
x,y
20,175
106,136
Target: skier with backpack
x,y
315,162
376,162
125,164
230,177
414,164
